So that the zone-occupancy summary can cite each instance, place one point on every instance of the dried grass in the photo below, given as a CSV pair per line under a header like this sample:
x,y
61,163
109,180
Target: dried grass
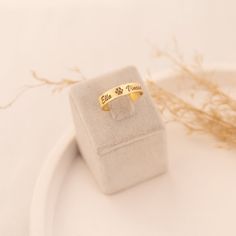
x,y
215,116
56,86
193,118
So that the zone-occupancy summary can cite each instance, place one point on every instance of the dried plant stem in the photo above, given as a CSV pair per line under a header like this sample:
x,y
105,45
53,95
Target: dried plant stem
x,y
19,94
192,118
217,97
57,86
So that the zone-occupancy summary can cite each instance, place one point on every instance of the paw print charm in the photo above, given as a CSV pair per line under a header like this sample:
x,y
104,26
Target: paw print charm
x,y
119,91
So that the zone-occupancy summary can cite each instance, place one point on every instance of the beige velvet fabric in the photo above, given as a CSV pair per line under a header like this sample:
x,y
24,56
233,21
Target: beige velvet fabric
x,y
124,146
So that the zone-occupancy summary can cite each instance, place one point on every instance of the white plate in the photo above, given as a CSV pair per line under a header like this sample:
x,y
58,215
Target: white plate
x,y
196,197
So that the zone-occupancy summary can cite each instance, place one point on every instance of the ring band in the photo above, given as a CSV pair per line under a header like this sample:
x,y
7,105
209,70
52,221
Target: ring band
x,y
133,90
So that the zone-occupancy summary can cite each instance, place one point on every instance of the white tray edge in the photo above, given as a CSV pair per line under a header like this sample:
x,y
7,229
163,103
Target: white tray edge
x,y
61,155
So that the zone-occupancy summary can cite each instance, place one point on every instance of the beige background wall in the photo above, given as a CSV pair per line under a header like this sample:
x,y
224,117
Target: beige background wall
x,y
97,36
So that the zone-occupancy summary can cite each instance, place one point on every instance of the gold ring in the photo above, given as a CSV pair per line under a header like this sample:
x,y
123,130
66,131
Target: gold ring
x,y
133,90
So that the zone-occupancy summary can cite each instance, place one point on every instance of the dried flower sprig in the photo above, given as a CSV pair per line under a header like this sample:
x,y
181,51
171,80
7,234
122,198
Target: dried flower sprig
x,y
215,116
217,102
57,86
194,119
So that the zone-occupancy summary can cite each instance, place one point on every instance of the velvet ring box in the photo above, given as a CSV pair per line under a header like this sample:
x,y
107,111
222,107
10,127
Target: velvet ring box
x,y
124,146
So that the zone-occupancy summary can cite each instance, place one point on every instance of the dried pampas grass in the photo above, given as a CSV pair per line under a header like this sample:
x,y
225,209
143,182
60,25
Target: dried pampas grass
x,y
217,113
56,86
193,118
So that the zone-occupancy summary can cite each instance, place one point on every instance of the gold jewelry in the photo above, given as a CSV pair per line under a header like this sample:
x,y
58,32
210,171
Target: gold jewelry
x,y
133,90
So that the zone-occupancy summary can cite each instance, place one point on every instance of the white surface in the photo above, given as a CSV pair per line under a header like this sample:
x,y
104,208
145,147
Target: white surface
x,y
195,197
50,37
48,184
